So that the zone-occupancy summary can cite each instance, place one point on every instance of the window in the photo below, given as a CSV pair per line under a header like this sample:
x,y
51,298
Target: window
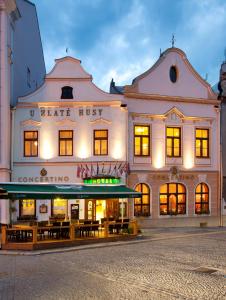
x,y
30,143
100,142
59,207
173,74
27,207
202,143
141,140
173,141
65,142
202,199
142,205
172,199
67,92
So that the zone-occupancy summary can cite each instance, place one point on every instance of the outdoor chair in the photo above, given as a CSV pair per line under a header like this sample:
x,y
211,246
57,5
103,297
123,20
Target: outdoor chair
x,y
65,229
55,231
95,228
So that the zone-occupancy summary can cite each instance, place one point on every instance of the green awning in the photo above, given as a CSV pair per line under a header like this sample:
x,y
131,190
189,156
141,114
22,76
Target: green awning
x,y
70,191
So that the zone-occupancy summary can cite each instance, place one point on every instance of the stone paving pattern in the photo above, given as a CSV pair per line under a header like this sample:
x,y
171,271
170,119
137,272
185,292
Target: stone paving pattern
x,y
161,267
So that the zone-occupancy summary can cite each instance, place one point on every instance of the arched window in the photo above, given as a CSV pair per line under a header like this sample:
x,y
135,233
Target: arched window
x,y
172,199
67,92
142,205
202,199
173,74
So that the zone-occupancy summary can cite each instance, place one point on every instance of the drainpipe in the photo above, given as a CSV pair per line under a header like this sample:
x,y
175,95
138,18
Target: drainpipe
x,y
13,109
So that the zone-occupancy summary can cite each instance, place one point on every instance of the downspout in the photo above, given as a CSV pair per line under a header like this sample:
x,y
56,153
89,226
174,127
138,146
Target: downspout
x,y
13,109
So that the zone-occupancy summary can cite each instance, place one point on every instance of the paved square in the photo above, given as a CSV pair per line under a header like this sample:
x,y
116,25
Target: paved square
x,y
169,264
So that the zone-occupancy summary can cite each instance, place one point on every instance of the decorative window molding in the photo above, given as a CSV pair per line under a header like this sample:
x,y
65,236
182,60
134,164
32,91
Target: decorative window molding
x,y
100,121
66,122
30,122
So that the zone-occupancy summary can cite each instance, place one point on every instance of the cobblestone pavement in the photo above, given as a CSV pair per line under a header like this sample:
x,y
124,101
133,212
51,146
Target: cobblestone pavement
x,y
154,269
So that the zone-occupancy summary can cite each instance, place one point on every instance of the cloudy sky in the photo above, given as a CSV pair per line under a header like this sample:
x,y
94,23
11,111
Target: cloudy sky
x,y
121,39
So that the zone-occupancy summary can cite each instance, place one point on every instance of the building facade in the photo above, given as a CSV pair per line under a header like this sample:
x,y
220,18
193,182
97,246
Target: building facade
x,y
66,132
22,70
174,144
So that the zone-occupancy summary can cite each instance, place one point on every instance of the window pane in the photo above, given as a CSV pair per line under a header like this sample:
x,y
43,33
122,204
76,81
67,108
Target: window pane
x,y
176,132
163,209
163,188
137,145
205,197
97,147
100,133
60,207
28,207
205,188
145,199
181,188
27,150
198,152
137,200
163,199
66,134
176,143
197,208
198,133
204,153
172,188
145,189
30,134
103,147
198,189
169,143
141,130
62,148
145,146
205,208
181,198
176,151
138,188
198,198
205,133
181,209
169,131
146,210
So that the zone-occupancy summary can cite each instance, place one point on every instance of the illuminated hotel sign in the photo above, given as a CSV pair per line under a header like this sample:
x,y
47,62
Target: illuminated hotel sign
x,y
66,112
102,180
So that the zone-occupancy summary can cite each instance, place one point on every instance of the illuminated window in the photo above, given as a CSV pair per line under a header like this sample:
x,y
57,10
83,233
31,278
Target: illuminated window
x,y
59,207
27,207
202,199
30,143
141,140
65,142
202,143
67,92
142,205
172,199
100,142
173,142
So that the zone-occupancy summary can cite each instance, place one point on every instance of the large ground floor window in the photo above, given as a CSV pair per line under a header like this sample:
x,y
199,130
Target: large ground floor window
x,y
202,199
172,199
142,205
59,207
27,207
97,209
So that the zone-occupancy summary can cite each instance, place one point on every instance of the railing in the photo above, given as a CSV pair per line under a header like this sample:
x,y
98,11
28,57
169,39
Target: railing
x,y
36,234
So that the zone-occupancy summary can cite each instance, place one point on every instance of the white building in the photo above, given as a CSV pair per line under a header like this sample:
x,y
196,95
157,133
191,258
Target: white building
x,y
174,143
66,131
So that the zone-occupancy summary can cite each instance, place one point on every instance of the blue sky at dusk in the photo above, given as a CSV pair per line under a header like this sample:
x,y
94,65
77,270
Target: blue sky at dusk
x,y
121,39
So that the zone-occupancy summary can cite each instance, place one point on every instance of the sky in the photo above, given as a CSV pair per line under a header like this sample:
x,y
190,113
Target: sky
x,y
121,39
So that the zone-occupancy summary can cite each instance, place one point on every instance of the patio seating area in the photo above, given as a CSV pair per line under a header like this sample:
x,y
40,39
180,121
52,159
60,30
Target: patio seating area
x,y
45,234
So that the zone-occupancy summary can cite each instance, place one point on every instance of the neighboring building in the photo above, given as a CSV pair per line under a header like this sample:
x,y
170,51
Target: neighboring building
x,y
222,97
65,132
22,70
174,144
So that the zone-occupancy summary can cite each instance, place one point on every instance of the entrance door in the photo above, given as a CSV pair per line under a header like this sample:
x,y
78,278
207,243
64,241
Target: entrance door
x,y
98,209
172,204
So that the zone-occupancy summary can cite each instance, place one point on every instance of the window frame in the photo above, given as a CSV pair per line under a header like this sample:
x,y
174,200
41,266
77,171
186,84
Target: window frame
x,y
201,140
168,194
31,140
20,208
142,214
65,139
141,143
100,139
65,92
52,207
172,138
202,203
